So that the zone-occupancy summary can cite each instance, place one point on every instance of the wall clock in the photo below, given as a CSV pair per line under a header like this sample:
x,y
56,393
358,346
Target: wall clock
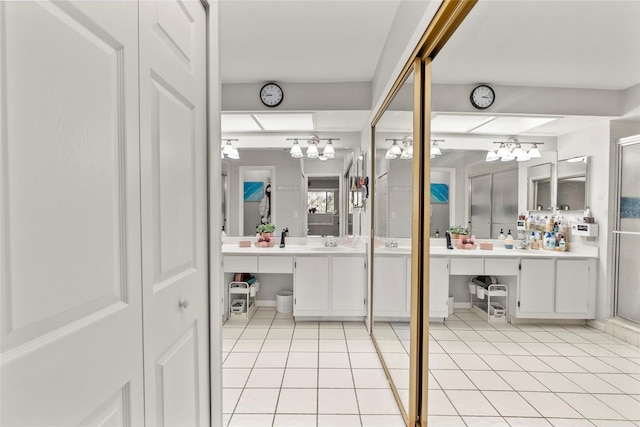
x,y
482,97
271,95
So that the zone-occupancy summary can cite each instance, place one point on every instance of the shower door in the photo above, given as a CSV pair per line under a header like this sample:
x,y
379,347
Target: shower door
x,y
627,230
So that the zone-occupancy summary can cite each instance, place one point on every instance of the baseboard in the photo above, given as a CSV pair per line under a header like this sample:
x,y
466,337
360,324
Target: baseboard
x,y
623,330
462,305
265,303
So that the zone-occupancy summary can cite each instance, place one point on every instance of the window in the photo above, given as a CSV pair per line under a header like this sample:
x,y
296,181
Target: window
x,y
321,201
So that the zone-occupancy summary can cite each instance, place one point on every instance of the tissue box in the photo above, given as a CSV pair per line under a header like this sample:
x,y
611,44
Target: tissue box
x,y
244,243
486,246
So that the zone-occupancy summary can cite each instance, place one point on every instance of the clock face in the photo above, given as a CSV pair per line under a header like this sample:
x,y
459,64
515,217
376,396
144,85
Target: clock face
x,y
482,97
271,95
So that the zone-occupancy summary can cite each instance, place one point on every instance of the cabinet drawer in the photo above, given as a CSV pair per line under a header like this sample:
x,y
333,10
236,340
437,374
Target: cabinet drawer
x,y
275,264
467,266
501,266
240,264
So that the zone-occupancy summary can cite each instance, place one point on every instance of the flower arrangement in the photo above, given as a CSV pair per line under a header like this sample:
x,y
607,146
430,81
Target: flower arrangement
x,y
266,228
458,230
265,239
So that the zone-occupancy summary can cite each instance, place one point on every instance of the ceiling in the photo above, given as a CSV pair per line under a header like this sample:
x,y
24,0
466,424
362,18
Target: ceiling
x,y
569,44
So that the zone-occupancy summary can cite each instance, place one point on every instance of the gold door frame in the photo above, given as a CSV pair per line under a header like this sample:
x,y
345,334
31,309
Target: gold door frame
x,y
446,20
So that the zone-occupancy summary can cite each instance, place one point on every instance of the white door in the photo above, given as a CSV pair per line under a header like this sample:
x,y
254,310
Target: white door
x,y
71,335
174,225
390,287
311,285
536,287
347,285
438,287
572,286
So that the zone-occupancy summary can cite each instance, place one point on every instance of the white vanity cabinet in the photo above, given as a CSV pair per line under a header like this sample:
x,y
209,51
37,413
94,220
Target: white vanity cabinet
x,y
439,287
329,286
392,287
556,289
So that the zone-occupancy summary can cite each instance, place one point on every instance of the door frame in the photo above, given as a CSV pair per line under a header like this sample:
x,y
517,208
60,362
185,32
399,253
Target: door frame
x,y
341,205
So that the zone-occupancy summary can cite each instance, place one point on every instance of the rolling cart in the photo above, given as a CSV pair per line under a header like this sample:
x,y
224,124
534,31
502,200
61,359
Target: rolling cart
x,y
242,299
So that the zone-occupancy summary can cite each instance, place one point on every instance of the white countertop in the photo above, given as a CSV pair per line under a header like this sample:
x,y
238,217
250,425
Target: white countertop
x,y
234,249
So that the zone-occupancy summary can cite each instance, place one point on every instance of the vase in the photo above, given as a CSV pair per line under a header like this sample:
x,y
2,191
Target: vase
x,y
266,236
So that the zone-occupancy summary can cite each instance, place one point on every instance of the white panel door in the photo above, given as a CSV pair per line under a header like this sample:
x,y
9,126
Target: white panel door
x,y
71,328
174,226
389,287
347,285
536,287
573,286
438,287
311,285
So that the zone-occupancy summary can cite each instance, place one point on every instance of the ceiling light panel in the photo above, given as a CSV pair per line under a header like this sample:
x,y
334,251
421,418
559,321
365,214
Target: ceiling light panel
x,y
285,122
511,125
457,124
238,123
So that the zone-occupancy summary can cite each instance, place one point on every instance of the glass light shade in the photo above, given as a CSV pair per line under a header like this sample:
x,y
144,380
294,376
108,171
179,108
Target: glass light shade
x,y
323,158
234,154
406,154
492,156
507,157
312,151
296,151
517,151
227,148
502,150
328,149
432,156
395,149
534,152
389,155
329,155
435,149
523,157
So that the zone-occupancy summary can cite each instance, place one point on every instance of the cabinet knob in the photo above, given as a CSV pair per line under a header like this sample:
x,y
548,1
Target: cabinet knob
x,y
183,303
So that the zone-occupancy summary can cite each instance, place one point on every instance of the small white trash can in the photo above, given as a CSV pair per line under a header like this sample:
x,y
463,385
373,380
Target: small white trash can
x,y
284,302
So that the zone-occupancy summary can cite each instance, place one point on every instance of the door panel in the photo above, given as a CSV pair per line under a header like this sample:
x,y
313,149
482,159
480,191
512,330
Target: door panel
x,y
628,234
481,206
70,214
504,202
174,230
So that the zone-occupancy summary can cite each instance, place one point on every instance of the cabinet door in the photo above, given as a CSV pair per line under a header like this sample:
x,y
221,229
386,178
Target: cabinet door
x,y
438,287
311,284
347,285
572,286
536,288
389,286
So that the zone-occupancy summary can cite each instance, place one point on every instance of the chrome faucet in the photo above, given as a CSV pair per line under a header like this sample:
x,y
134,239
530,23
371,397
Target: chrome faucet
x,y
391,244
330,243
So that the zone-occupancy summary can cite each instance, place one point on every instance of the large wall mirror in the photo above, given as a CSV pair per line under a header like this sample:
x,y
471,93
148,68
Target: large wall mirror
x,y
392,218
540,187
573,184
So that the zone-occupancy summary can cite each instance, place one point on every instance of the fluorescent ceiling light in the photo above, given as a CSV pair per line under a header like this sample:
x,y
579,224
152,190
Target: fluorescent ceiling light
x,y
511,125
457,124
238,123
285,122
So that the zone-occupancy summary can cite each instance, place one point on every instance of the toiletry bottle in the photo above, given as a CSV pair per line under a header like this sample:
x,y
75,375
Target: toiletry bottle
x,y
508,242
562,245
501,236
437,234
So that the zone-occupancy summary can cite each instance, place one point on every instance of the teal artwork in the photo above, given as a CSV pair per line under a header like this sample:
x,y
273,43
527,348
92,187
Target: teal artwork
x,y
439,193
630,207
253,191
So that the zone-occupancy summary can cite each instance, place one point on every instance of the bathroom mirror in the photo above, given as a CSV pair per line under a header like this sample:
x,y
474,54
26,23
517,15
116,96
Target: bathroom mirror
x,y
573,184
355,194
539,187
392,204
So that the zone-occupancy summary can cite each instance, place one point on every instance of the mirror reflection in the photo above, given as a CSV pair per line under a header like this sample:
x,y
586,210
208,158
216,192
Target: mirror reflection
x,y
539,187
572,188
392,213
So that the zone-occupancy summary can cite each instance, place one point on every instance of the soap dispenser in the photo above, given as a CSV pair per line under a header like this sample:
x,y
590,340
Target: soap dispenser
x,y
508,242
501,236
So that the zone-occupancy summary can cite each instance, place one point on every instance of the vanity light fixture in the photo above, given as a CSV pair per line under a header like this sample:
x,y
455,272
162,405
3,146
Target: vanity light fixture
x,y
296,151
229,150
400,147
513,150
435,148
313,149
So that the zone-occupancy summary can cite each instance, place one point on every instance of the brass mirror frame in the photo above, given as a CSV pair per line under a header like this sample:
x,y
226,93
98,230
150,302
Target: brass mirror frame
x,y
449,16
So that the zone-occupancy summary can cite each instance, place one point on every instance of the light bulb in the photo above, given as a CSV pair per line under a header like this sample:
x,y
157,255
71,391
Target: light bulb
x,y
389,155
296,151
227,148
329,150
312,151
534,152
395,148
492,156
234,154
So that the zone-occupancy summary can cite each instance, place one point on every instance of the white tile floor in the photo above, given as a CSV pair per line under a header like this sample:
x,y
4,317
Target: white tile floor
x,y
278,372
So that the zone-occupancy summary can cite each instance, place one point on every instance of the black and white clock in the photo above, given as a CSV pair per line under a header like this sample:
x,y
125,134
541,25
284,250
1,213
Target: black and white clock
x,y
271,95
482,97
